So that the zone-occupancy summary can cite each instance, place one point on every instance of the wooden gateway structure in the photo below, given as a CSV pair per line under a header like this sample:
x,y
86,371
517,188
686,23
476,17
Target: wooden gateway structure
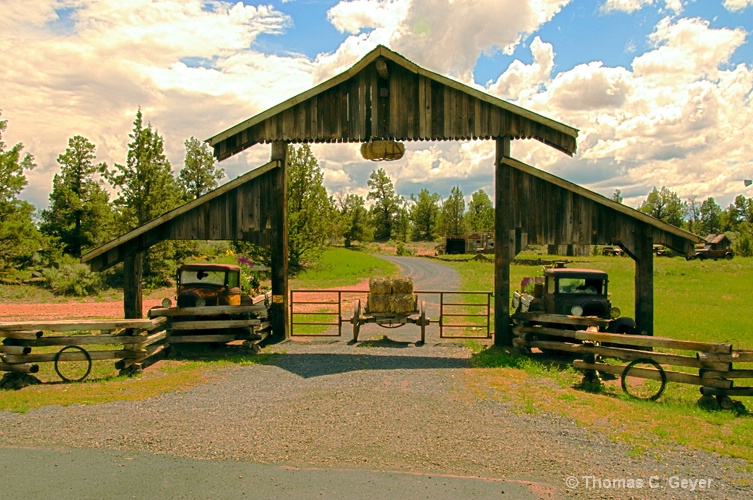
x,y
387,98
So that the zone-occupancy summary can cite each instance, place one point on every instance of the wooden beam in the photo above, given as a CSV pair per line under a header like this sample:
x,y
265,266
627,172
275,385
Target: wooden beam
x,y
278,311
504,250
644,282
653,374
214,325
68,325
176,312
72,356
132,298
20,368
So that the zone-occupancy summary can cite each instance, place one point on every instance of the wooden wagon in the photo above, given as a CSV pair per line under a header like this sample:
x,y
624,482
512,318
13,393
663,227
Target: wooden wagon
x,y
388,319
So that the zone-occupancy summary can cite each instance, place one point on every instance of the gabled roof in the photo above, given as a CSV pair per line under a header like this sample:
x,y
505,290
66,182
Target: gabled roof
x,y
715,238
386,96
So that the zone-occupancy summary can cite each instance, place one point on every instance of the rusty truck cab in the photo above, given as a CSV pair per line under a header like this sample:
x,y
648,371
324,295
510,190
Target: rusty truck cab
x,y
578,292
209,285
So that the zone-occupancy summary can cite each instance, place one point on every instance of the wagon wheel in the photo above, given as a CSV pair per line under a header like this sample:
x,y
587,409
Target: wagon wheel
x,y
422,321
356,320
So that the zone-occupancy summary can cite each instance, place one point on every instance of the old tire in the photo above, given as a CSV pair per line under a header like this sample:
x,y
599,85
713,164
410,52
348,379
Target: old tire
x,y
647,361
75,348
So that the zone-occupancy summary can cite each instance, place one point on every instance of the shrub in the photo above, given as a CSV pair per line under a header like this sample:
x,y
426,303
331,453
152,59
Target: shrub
x,y
72,278
744,245
402,250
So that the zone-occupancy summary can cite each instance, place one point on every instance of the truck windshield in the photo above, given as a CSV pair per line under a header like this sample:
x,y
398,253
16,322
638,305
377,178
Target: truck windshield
x,y
203,277
580,285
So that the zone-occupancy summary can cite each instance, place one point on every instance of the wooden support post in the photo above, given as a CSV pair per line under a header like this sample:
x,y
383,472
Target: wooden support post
x,y
132,299
644,282
278,311
504,247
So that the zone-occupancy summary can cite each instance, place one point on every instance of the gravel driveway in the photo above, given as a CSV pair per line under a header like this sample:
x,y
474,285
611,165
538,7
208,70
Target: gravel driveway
x,y
370,408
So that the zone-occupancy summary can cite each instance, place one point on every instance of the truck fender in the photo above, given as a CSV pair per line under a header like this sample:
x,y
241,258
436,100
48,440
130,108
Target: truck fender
x,y
622,325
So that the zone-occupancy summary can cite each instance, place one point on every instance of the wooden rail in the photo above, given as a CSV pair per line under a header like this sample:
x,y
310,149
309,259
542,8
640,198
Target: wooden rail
x,y
141,340
713,360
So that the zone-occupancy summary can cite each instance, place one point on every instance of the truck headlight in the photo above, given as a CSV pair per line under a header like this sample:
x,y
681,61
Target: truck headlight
x,y
576,311
167,303
614,312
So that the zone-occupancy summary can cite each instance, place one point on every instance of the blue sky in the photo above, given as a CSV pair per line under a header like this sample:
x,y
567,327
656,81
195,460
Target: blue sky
x,y
660,89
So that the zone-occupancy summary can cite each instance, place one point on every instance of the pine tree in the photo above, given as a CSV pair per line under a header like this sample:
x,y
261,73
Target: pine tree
x,y
453,211
199,174
147,188
79,214
356,225
310,211
385,207
424,215
480,215
19,237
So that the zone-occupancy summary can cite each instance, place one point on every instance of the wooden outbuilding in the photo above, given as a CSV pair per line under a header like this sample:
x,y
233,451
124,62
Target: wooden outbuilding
x,y
385,97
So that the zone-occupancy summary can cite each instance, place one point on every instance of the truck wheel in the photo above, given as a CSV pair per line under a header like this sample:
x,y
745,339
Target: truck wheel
x,y
728,256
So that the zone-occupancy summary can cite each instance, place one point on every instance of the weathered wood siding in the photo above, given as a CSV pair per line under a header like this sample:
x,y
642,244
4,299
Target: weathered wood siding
x,y
547,213
405,106
241,213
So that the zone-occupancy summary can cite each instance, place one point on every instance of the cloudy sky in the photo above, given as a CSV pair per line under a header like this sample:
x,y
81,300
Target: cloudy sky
x,y
661,90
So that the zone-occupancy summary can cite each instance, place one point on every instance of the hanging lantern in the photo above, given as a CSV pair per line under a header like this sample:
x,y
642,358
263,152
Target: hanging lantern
x,y
382,150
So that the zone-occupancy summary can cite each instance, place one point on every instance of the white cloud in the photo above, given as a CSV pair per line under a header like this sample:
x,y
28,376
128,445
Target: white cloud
x,y
448,36
737,5
630,6
356,15
84,68
680,118
687,48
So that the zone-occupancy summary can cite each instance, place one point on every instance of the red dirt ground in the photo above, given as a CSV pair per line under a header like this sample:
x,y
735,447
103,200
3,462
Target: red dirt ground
x,y
67,310
108,310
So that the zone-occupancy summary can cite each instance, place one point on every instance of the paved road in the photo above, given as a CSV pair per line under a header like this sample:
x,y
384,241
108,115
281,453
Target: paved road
x,y
84,474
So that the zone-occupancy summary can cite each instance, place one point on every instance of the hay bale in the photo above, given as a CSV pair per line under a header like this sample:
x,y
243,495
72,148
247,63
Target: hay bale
x,y
379,303
401,303
380,286
402,284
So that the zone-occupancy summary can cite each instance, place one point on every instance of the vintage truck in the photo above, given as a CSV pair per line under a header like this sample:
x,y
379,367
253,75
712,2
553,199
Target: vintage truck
x,y
717,246
211,308
568,292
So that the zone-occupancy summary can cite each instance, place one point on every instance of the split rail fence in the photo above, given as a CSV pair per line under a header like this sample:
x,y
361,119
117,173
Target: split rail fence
x,y
133,343
716,375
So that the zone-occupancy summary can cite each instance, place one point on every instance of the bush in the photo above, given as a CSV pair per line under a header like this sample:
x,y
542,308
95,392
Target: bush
x,y
72,278
744,245
402,250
